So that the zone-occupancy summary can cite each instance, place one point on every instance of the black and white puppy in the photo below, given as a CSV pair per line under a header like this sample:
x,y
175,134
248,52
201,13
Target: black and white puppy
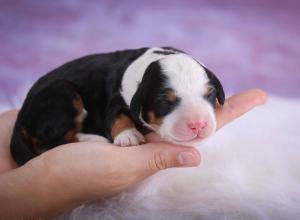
x,y
118,97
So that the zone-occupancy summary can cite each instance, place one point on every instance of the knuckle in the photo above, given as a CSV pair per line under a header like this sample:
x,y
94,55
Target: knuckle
x,y
158,162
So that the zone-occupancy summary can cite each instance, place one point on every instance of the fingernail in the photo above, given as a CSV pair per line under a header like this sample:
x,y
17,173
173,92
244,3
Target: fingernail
x,y
187,159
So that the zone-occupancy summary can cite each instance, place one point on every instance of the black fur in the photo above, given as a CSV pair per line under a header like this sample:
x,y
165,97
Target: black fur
x,y
168,51
164,52
47,109
173,49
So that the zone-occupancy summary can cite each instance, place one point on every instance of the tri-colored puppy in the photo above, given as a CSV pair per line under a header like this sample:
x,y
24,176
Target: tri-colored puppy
x,y
118,97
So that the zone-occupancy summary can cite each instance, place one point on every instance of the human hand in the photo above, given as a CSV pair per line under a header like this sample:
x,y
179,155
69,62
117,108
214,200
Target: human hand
x,y
75,173
7,121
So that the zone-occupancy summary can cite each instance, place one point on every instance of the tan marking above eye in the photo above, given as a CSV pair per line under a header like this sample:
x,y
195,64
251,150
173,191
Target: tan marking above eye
x,y
122,123
171,96
153,120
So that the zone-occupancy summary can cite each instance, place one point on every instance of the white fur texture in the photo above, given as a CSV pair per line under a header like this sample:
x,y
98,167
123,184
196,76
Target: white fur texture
x,y
129,137
250,170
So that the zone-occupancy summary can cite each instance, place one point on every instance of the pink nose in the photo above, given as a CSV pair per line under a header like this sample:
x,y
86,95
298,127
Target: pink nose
x,y
197,126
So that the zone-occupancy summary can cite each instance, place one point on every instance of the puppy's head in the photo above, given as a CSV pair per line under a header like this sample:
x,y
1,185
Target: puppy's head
x,y
176,99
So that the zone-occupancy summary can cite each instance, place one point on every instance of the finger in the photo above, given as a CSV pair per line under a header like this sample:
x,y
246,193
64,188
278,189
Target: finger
x,y
103,169
239,104
144,160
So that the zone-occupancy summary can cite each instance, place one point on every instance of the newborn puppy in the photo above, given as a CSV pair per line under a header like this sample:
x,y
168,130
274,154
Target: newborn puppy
x,y
118,97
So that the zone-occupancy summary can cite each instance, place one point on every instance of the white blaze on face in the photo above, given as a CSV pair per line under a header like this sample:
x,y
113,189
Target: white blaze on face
x,y
194,116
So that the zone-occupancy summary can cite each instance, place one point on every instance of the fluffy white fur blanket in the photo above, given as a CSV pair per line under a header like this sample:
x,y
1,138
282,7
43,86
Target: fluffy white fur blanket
x,y
250,170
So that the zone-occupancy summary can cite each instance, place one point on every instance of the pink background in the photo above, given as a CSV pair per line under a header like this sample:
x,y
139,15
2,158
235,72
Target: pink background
x,y
246,43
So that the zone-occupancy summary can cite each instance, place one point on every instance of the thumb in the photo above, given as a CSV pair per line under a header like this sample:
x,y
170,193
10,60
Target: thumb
x,y
145,160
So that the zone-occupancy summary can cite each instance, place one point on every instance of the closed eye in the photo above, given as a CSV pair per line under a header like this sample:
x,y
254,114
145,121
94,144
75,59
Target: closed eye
x,y
166,103
164,106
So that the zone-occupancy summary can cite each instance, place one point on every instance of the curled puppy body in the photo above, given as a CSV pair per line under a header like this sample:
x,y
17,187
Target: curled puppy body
x,y
118,97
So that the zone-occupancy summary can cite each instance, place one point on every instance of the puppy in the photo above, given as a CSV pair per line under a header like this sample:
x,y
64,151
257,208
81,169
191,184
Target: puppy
x,y
118,97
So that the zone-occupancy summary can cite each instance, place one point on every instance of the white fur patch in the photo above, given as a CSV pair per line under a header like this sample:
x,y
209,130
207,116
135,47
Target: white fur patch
x,y
134,73
91,138
129,137
249,170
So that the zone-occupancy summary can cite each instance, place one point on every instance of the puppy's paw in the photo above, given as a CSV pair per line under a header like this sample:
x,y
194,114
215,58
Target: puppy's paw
x,y
129,137
91,138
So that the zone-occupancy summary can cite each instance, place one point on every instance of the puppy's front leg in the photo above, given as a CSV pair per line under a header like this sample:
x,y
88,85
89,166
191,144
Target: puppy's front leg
x,y
119,125
124,132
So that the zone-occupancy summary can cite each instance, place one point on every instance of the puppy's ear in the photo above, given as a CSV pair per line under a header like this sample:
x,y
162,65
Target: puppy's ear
x,y
214,81
136,103
141,97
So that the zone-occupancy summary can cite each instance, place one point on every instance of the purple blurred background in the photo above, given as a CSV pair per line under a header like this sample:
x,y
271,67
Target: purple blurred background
x,y
246,43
